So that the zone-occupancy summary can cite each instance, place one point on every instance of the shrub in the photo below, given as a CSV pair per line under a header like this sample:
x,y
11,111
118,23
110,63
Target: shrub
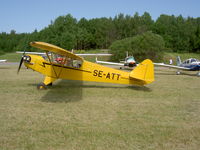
x,y
143,46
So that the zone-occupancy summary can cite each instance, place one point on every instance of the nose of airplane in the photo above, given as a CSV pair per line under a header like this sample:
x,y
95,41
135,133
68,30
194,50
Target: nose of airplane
x,y
25,58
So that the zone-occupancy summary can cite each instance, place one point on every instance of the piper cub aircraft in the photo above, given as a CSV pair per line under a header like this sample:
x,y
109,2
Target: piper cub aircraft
x,y
190,64
62,64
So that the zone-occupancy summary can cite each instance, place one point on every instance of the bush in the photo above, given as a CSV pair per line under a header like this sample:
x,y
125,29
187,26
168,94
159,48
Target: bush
x,y
146,45
1,53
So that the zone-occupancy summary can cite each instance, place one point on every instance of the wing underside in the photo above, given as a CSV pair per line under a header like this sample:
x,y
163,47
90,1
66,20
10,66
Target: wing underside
x,y
3,60
55,49
109,63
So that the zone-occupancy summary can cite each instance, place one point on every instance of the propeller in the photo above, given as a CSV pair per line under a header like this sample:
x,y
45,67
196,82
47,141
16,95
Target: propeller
x,y
21,61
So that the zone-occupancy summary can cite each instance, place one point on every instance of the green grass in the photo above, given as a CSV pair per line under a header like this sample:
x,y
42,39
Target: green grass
x,y
86,115
11,57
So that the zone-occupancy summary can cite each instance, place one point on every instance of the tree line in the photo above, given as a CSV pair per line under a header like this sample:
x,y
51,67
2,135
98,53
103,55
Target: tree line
x,y
180,34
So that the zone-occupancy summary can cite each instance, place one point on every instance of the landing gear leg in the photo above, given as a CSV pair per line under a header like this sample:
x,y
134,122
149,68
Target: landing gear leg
x,y
48,81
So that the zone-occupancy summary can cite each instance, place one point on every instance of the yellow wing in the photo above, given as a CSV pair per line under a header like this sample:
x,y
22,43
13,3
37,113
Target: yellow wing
x,y
55,49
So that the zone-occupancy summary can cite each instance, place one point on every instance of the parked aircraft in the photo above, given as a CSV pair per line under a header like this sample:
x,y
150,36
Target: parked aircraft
x,y
190,64
74,67
4,60
129,62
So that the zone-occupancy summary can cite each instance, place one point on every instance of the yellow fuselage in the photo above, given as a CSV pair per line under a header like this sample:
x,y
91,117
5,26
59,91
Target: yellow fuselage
x,y
87,72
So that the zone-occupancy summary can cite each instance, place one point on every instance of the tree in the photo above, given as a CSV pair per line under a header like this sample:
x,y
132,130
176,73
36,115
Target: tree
x,y
180,34
146,45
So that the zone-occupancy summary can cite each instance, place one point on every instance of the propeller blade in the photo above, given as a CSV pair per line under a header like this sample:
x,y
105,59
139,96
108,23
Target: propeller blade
x,y
20,64
21,61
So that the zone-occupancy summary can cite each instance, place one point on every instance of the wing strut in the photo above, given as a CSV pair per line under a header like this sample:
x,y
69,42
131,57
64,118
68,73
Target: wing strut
x,y
51,63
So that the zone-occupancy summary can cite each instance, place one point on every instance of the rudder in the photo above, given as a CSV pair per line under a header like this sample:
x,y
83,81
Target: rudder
x,y
178,60
144,71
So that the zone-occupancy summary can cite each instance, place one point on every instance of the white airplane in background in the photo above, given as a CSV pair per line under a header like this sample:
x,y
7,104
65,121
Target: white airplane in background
x,y
190,64
128,63
3,60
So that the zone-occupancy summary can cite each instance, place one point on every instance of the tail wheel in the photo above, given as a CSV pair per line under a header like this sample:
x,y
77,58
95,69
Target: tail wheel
x,y
41,86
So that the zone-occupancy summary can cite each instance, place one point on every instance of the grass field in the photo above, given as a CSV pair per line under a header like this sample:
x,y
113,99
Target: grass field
x,y
76,115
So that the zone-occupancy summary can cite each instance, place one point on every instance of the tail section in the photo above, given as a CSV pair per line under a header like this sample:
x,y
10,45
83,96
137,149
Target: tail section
x,y
144,72
178,60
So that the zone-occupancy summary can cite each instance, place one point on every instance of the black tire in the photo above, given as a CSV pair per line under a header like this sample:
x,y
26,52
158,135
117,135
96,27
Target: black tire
x,y
50,84
178,73
198,74
41,86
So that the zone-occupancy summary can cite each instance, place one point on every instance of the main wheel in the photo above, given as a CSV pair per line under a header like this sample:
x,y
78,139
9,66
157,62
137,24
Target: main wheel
x,y
50,84
41,86
178,73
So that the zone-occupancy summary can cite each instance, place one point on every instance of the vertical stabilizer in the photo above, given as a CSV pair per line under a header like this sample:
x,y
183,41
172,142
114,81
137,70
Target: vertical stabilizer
x,y
126,53
178,60
144,72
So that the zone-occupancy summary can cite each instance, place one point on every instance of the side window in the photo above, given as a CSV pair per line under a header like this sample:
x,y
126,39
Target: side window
x,y
59,59
64,60
68,62
77,63
72,63
193,60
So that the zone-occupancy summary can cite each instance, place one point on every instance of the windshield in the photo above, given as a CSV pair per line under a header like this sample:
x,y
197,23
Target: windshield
x,y
130,59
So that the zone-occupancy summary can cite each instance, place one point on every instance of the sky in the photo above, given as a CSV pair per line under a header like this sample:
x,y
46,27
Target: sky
x,y
24,16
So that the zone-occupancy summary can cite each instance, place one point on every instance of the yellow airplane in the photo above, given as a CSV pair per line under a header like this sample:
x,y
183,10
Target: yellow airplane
x,y
62,64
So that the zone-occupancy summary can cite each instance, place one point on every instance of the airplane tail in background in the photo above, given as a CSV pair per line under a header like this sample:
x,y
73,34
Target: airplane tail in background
x,y
144,71
126,53
178,60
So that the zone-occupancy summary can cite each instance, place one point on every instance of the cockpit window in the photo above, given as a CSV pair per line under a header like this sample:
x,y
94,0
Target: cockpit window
x,y
193,60
130,59
63,60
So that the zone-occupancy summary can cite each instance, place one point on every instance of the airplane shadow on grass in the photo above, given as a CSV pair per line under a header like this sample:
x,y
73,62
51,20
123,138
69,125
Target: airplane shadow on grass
x,y
4,68
72,91
64,91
